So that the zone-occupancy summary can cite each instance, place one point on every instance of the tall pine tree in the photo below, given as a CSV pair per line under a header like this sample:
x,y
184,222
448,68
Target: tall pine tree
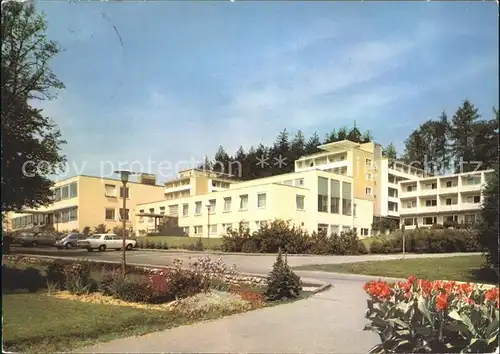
x,y
462,137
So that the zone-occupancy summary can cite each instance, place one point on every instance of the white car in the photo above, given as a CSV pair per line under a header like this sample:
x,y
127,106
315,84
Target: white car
x,y
101,242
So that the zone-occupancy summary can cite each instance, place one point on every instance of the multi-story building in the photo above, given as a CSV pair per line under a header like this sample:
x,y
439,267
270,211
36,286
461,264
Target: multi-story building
x,y
442,200
311,199
83,201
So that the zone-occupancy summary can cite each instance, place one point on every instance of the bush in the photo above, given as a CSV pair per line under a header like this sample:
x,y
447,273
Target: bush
x,y
281,234
129,288
29,279
320,243
233,241
437,317
197,246
347,243
283,283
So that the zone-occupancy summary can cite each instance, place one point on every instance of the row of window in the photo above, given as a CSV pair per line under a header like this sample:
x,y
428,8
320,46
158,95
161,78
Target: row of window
x,y
214,229
330,195
335,229
431,220
61,216
448,184
66,192
476,199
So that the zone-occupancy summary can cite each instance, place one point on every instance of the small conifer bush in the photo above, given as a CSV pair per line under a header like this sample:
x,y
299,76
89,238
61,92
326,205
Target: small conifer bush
x,y
283,283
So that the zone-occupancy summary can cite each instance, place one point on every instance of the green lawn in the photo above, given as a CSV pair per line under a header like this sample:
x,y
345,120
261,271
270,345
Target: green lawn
x,y
460,268
179,242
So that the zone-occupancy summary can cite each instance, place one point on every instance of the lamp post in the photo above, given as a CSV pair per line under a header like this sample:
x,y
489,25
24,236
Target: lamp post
x,y
124,175
208,222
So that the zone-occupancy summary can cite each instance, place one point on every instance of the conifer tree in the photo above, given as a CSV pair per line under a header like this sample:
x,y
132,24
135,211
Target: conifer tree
x,y
283,283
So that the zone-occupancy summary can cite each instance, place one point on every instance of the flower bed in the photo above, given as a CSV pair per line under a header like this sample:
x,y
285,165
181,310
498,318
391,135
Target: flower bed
x,y
438,317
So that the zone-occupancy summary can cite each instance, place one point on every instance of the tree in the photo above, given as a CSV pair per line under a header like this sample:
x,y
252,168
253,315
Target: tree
x,y
415,148
101,229
462,137
390,152
283,283
298,145
485,134
488,227
221,158
367,137
31,141
354,134
312,144
342,134
331,137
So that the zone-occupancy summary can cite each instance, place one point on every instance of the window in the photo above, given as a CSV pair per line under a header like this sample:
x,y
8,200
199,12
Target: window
x,y
213,229
322,194
110,214
227,227
198,229
354,210
244,202
197,208
299,202
110,190
227,204
126,214
185,209
470,218
213,204
151,210
477,199
334,229
57,194
408,221
409,189
261,223
73,190
261,200
364,232
126,192
345,228
334,196
449,184
323,228
369,176
451,218
431,186
430,220
65,192
346,198
368,191
141,218
185,229
368,162
429,203
448,201
72,214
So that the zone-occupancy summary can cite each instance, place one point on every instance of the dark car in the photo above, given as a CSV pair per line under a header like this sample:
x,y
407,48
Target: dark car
x,y
70,240
35,239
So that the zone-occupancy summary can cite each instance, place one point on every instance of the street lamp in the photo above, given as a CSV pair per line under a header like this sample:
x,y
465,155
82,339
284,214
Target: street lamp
x,y
209,208
124,175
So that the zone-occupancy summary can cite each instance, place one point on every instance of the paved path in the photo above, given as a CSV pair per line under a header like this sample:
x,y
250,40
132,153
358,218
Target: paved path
x,y
328,322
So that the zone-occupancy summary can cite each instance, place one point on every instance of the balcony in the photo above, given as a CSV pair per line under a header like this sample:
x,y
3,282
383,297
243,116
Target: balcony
x,y
470,206
405,194
407,211
470,188
425,192
428,209
454,207
326,166
393,212
177,188
448,190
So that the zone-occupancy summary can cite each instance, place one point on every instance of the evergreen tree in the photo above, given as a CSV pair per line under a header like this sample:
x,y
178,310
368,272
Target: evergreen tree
x,y
486,142
298,146
283,283
462,137
367,137
236,163
207,165
415,150
342,134
331,137
221,160
31,142
390,152
354,134
312,144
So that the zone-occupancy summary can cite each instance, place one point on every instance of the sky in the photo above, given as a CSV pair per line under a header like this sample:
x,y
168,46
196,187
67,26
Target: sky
x,y
156,86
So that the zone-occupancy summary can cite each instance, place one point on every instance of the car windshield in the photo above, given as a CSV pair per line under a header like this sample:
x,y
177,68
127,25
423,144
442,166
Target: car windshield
x,y
95,236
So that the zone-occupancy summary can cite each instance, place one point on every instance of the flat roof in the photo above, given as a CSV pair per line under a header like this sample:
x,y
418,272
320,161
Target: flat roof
x,y
463,174
343,144
109,179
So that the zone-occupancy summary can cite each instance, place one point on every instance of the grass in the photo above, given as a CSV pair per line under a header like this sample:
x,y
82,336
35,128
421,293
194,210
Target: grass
x,y
459,268
182,242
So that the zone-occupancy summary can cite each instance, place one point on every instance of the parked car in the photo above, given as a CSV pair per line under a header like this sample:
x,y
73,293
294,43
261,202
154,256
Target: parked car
x,y
101,242
35,239
70,240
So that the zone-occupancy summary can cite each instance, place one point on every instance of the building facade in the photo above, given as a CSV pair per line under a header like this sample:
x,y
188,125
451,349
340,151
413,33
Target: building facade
x,y
311,199
442,200
83,201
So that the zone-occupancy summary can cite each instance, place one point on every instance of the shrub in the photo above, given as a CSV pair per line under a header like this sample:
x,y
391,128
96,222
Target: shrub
x,y
184,282
281,234
197,246
283,283
130,288
213,272
347,243
438,317
29,279
77,285
320,243
233,241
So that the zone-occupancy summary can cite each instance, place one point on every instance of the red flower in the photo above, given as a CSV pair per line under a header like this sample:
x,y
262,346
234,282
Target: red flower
x,y
378,289
492,295
411,280
442,302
